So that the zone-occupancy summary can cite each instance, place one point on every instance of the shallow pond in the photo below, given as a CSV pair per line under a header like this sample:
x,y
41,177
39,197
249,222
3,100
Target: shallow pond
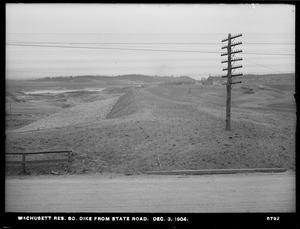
x,y
61,91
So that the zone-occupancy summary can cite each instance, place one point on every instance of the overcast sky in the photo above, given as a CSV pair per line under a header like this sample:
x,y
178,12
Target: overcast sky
x,y
175,39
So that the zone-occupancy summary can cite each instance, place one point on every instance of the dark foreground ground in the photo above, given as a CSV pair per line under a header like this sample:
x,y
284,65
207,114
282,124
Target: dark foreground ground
x,y
163,127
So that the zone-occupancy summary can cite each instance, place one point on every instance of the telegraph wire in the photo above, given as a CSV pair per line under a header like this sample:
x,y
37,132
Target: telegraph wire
x,y
263,66
145,33
142,49
146,43
112,48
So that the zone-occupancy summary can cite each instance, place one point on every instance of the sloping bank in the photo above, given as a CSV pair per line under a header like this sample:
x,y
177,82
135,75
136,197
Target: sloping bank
x,y
83,113
125,105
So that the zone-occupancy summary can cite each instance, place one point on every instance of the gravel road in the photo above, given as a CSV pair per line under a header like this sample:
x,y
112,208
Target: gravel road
x,y
212,193
83,113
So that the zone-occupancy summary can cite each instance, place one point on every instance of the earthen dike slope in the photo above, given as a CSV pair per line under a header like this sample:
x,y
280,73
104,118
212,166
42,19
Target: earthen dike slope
x,y
167,127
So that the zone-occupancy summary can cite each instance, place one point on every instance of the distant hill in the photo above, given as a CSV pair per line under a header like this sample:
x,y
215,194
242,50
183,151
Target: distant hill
x,y
131,78
285,80
257,77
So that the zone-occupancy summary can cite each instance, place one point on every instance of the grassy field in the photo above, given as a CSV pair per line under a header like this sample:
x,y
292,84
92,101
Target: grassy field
x,y
162,127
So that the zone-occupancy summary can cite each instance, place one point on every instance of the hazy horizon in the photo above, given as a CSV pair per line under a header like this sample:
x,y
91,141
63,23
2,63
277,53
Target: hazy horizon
x,y
43,77
46,40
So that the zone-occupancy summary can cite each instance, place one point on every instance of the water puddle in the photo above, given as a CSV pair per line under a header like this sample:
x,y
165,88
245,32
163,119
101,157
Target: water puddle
x,y
62,91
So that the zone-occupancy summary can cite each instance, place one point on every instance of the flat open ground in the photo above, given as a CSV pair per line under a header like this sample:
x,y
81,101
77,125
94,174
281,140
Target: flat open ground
x,y
196,194
158,127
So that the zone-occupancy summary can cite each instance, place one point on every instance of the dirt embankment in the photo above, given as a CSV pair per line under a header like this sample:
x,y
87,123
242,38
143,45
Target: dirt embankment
x,y
173,128
125,105
83,113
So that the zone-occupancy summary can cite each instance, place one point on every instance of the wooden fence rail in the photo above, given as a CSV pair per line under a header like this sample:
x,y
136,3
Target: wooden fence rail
x,y
24,162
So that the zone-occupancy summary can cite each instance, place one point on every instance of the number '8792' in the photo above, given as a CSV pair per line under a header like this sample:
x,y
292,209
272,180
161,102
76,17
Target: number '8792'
x,y
273,218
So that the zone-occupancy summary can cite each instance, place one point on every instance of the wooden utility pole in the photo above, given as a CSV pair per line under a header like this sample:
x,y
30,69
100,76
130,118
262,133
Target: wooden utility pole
x,y
229,75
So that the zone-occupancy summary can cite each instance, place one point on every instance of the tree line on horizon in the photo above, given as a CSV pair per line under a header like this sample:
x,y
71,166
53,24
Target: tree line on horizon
x,y
128,77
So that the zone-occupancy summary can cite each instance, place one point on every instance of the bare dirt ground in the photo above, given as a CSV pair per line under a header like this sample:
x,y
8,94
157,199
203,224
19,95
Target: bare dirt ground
x,y
83,113
164,127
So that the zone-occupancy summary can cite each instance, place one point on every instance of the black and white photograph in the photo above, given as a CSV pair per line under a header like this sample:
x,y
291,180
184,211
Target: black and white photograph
x,y
138,109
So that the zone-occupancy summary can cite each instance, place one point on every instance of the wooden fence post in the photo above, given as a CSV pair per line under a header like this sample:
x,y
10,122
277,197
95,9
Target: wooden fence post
x,y
23,162
69,161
